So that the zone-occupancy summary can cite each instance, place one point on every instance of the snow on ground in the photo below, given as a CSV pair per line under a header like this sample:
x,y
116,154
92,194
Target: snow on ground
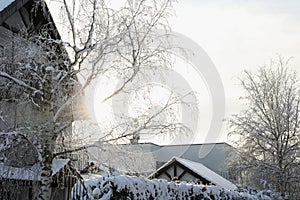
x,y
5,3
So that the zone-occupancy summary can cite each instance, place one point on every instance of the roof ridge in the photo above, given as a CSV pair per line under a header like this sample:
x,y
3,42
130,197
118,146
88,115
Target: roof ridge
x,y
192,144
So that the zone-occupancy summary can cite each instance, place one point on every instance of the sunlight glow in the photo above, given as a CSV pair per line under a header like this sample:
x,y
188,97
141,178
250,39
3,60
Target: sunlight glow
x,y
153,95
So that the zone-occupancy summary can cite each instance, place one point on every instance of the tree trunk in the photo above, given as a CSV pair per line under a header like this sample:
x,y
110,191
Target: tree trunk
x,y
46,181
46,166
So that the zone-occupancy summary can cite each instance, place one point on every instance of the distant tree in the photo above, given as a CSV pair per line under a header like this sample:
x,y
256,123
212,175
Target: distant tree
x,y
266,133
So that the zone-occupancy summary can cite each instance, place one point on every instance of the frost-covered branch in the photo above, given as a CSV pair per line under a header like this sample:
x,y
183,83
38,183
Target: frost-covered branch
x,y
20,82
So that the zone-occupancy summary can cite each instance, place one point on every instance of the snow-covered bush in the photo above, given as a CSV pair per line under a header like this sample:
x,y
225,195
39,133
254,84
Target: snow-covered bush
x,y
131,187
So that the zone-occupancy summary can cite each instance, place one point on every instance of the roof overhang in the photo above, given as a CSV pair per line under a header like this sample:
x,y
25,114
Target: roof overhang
x,y
198,170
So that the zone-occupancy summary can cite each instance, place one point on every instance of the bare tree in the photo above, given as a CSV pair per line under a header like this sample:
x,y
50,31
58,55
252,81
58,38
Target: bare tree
x,y
41,74
266,133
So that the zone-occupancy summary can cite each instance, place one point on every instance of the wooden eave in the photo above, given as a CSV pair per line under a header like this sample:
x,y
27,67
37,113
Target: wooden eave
x,y
41,18
11,9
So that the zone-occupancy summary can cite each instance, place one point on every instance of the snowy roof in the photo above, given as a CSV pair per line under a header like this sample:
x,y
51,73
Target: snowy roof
x,y
25,173
29,173
202,171
5,3
58,164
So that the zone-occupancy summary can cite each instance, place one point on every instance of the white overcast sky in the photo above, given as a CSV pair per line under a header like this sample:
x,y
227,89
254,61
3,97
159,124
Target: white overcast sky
x,y
238,35
241,34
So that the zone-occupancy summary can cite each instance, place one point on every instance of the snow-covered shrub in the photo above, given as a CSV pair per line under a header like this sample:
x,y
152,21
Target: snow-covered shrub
x,y
131,187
